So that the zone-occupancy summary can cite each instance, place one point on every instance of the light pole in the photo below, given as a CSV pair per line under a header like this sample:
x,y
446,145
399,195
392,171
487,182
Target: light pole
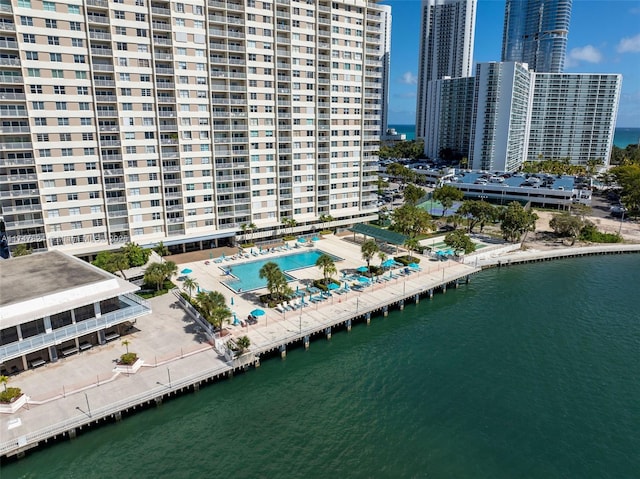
x,y
621,220
169,376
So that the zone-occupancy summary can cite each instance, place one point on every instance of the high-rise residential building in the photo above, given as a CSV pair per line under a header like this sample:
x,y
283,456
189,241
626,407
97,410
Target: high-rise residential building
x,y
158,120
573,115
449,117
446,47
500,114
535,32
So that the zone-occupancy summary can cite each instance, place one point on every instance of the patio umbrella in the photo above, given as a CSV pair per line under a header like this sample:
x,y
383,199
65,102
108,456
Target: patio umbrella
x,y
363,279
346,286
257,312
302,299
388,263
302,240
333,286
186,271
315,238
362,269
235,319
413,265
297,288
231,300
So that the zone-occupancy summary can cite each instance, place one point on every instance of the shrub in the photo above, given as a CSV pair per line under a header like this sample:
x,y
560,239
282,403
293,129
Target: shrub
x,y
247,245
10,395
270,302
326,232
128,358
591,233
288,238
407,260
319,283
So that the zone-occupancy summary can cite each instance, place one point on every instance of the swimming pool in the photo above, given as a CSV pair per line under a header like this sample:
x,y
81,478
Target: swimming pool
x,y
246,276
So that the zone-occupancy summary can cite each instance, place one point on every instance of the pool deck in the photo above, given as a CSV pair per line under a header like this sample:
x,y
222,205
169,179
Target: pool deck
x,y
84,389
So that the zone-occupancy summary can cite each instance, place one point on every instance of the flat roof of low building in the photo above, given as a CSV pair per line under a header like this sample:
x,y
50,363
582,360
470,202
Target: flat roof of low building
x,y
47,283
41,274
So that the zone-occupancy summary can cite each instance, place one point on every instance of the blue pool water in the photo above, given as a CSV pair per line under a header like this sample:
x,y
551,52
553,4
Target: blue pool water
x,y
246,276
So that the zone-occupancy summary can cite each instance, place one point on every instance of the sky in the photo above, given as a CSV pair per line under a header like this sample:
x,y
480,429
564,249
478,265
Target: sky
x,y
604,37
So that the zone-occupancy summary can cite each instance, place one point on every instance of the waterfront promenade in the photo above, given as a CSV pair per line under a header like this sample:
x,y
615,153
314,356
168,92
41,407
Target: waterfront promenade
x,y
78,391
84,389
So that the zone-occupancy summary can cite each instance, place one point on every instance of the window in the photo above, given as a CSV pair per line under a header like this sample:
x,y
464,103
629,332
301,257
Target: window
x,y
61,105
70,182
48,23
122,46
83,105
118,15
69,167
28,38
92,165
79,59
83,90
72,197
59,90
51,40
37,105
48,6
35,88
26,21
74,211
33,72
40,121
77,42
74,9
81,75
53,213
63,121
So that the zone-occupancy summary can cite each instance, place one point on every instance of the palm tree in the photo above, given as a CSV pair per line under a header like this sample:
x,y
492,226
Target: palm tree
x,y
4,380
213,307
325,219
275,278
412,245
120,262
369,248
169,268
383,257
154,274
251,227
190,284
161,250
328,267
126,344
243,343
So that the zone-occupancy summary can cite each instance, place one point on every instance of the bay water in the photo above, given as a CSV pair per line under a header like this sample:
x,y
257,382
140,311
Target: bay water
x,y
527,372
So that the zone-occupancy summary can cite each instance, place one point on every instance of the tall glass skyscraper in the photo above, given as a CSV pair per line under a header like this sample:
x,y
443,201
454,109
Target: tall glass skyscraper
x,y
535,32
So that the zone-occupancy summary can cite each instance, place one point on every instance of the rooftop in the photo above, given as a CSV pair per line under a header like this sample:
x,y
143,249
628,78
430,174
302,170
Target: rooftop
x,y
41,274
41,284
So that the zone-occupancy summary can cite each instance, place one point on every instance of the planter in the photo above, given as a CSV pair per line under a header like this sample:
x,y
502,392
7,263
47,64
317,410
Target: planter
x,y
13,406
129,368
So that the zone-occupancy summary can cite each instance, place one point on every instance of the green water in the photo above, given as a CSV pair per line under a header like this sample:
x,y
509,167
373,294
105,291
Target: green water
x,y
528,372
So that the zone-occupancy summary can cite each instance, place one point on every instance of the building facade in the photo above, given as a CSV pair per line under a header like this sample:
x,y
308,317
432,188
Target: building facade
x,y
449,115
70,306
573,115
535,32
158,120
500,116
446,47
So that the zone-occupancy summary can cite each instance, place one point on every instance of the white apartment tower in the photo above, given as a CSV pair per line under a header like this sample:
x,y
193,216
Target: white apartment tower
x,y
573,115
446,47
159,120
500,116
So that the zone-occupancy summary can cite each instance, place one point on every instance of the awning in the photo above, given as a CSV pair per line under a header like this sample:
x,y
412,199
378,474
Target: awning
x,y
381,234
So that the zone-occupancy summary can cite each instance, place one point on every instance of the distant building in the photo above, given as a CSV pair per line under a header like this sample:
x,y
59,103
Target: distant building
x,y
391,136
500,116
53,305
573,115
446,48
535,32
449,116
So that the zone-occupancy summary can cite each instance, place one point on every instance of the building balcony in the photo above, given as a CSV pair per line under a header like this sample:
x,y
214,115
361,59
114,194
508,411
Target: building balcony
x,y
132,307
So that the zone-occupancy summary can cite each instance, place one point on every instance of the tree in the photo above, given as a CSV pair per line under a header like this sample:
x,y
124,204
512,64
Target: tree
x,y
459,241
400,171
411,220
325,219
126,344
104,260
161,250
412,244
4,380
169,268
478,212
276,280
251,227
628,177
456,220
190,284
447,195
242,343
120,262
413,194
382,256
136,255
21,250
154,274
516,221
566,225
213,307
290,223
327,266
369,248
